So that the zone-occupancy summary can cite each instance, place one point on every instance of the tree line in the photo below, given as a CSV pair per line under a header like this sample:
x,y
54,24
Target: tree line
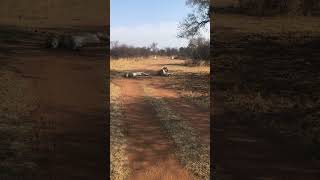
x,y
197,49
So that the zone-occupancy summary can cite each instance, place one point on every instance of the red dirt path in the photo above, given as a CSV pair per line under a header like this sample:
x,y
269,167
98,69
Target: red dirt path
x,y
150,150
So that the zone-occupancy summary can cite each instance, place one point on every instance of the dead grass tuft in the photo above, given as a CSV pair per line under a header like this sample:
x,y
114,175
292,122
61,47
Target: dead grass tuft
x,y
200,99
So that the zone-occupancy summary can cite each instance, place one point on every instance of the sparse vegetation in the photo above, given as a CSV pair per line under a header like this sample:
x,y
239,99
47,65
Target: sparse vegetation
x,y
119,161
190,151
185,72
197,50
189,84
194,155
265,68
16,104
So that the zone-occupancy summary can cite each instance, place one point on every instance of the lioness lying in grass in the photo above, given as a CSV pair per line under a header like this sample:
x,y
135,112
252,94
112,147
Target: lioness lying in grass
x,y
75,41
163,72
135,74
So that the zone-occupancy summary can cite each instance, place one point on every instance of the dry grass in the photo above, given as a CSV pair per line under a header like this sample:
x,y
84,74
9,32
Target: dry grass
x,y
161,171
279,25
16,141
200,99
254,102
192,87
198,63
260,56
194,155
177,66
190,81
15,97
291,116
119,166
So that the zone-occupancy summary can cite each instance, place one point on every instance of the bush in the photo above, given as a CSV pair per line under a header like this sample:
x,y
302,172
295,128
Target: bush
x,y
197,50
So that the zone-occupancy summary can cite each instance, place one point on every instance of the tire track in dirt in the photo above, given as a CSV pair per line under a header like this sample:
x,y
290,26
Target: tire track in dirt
x,y
150,151
198,118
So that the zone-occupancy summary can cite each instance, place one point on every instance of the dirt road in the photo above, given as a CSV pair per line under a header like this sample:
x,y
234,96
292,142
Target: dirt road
x,y
70,126
151,150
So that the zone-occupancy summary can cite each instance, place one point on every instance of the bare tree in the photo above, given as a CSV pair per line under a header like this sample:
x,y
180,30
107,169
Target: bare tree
x,y
154,47
114,44
199,48
196,20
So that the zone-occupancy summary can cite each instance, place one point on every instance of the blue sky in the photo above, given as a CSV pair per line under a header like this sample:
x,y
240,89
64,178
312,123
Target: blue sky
x,y
141,22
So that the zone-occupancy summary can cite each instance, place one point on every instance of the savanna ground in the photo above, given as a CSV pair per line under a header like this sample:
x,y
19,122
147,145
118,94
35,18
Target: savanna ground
x,y
160,126
265,89
52,110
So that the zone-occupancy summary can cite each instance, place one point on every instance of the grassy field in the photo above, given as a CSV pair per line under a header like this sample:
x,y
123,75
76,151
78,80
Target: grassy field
x,y
188,85
184,73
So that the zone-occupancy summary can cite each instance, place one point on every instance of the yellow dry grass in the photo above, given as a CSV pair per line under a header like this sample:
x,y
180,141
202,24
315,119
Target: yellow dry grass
x,y
163,172
271,25
186,85
190,151
119,167
151,64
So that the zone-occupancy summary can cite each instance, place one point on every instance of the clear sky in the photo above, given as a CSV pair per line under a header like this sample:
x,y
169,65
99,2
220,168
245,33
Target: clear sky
x,y
141,22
